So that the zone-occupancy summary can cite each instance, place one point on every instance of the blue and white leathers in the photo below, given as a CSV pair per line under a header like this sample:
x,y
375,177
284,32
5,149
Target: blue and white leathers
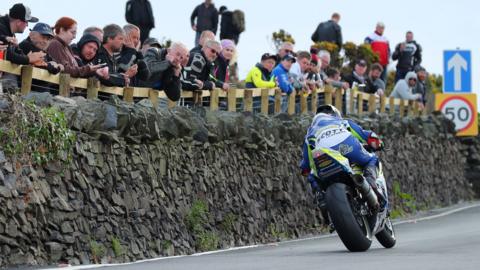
x,y
341,135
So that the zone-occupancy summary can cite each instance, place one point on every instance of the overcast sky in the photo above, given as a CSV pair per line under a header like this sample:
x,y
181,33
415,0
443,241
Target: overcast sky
x,y
437,25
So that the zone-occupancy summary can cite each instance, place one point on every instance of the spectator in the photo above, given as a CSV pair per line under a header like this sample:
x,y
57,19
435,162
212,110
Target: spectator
x,y
285,48
150,43
139,13
381,46
374,84
314,73
325,66
281,75
131,58
228,26
165,74
196,75
15,22
299,71
408,54
421,87
37,41
206,35
404,88
329,31
206,16
333,74
260,76
94,30
221,64
66,30
113,38
87,48
358,75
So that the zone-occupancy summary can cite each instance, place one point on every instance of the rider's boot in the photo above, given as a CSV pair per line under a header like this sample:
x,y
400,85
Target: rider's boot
x,y
370,173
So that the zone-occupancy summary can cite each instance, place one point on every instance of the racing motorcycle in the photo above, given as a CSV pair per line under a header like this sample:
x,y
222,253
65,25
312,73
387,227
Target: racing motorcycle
x,y
351,204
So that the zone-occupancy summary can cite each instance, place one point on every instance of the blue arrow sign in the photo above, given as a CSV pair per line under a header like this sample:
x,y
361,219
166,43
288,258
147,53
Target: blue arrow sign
x,y
457,72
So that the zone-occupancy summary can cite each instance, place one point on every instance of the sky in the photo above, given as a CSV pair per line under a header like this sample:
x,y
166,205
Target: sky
x,y
437,25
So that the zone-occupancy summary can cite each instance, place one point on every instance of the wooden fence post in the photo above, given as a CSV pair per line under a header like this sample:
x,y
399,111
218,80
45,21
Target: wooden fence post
x,y
372,103
409,107
402,108
339,99
291,103
392,106
303,102
383,101
214,99
27,73
264,106
197,97
248,100
328,94
353,92
128,94
278,101
171,104
415,109
92,88
64,85
153,97
360,103
232,100
314,100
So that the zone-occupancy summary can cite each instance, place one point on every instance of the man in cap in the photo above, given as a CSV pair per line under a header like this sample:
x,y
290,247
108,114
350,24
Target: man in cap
x,y
358,75
38,39
283,79
260,76
16,22
150,43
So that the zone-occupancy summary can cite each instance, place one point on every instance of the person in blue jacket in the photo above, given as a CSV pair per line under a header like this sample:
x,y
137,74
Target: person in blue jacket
x,y
330,130
280,73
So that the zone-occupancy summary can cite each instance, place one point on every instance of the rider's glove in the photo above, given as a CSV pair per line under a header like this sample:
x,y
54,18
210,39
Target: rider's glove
x,y
374,142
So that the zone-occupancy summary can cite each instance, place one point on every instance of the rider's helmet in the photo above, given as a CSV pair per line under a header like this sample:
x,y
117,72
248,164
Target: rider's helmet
x,y
330,110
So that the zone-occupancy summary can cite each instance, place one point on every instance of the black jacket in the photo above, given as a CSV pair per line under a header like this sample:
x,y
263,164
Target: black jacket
x,y
198,68
139,13
227,29
115,78
27,46
328,31
207,18
129,57
162,75
410,57
220,70
77,49
13,53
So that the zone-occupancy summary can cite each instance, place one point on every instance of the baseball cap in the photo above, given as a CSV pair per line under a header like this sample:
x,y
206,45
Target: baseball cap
x,y
43,29
152,42
266,56
362,63
21,12
289,57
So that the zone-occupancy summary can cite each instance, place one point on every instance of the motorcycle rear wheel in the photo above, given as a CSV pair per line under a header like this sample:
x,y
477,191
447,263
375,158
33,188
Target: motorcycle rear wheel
x,y
352,227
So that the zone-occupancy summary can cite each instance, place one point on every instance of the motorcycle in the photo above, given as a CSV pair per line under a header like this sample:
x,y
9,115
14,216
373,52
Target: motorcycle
x,y
351,204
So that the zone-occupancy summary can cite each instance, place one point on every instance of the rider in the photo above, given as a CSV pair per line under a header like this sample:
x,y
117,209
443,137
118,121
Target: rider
x,y
329,130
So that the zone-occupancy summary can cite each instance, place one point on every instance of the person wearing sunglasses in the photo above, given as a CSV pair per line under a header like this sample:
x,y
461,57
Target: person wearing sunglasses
x,y
285,48
196,75
404,89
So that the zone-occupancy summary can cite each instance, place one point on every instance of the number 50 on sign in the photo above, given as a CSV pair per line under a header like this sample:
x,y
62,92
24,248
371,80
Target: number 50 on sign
x,y
461,109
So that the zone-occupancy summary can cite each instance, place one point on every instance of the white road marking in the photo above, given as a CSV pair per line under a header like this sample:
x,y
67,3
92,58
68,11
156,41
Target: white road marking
x,y
413,220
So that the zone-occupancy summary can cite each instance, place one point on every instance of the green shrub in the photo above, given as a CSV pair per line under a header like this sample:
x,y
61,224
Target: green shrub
x,y
117,247
97,250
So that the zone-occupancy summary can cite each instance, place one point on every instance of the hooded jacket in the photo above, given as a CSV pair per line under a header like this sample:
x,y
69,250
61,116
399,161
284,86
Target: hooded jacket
x,y
83,41
63,54
259,77
403,90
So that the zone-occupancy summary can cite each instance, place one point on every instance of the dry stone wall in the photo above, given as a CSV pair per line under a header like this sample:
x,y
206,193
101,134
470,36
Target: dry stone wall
x,y
146,183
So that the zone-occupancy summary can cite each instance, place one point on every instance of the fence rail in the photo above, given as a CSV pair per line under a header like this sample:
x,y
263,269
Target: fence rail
x,y
357,102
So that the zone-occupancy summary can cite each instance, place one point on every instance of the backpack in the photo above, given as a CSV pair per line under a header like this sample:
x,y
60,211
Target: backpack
x,y
238,20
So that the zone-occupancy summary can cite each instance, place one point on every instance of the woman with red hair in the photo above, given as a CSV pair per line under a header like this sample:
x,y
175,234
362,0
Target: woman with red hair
x,y
60,51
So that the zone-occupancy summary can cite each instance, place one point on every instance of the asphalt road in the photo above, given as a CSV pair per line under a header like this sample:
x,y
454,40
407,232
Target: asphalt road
x,y
446,241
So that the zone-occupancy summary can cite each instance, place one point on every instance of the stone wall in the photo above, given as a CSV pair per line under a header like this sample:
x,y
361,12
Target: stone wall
x,y
146,183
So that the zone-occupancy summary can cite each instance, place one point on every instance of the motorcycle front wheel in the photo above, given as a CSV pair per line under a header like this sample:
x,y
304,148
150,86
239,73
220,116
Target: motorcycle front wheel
x,y
386,237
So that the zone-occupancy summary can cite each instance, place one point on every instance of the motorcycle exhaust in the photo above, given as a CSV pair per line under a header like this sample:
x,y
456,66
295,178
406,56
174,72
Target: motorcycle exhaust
x,y
366,190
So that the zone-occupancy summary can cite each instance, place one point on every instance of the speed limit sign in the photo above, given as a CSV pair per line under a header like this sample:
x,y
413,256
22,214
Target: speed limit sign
x,y
462,110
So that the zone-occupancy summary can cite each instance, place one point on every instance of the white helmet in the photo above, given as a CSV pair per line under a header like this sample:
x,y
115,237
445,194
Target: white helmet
x,y
330,110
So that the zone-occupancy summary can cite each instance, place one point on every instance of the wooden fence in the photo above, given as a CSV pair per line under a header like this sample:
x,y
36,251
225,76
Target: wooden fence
x,y
357,101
